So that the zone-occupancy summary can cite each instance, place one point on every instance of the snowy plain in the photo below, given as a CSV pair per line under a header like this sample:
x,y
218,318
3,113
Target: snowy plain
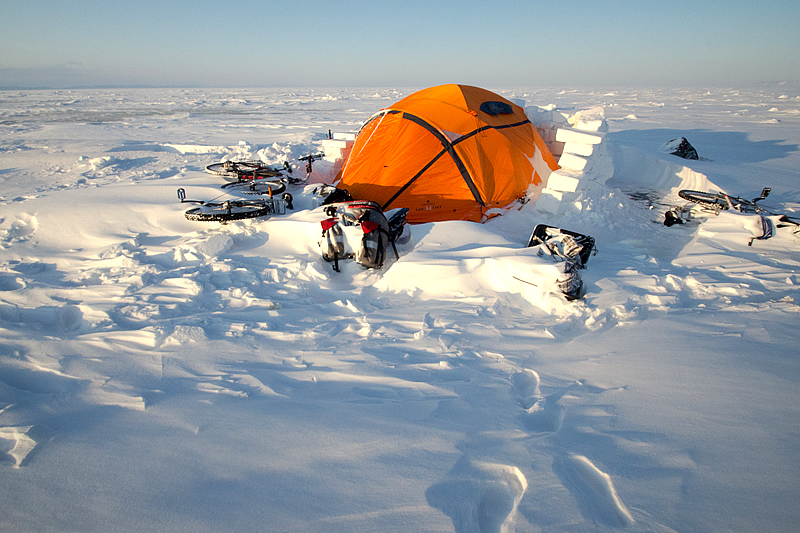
x,y
158,374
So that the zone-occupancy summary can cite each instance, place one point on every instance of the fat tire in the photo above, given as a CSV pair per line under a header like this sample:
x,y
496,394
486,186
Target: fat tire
x,y
222,215
218,169
704,198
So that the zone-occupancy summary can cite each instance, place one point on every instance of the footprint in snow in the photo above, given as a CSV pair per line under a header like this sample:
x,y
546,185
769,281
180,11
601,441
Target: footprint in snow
x,y
10,283
542,414
545,416
15,445
526,387
479,497
21,229
594,491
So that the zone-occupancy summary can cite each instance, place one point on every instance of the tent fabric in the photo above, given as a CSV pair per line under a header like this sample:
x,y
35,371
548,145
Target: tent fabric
x,y
450,152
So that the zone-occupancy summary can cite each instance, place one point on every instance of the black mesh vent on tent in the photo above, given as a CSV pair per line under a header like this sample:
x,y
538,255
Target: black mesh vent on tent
x,y
495,108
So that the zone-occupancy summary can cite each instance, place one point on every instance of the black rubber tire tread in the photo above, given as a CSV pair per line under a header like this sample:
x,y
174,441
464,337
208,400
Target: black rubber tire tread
x,y
217,170
221,214
262,186
704,198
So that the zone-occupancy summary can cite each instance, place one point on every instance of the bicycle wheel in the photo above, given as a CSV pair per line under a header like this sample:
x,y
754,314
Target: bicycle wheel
x,y
261,186
714,200
220,169
228,211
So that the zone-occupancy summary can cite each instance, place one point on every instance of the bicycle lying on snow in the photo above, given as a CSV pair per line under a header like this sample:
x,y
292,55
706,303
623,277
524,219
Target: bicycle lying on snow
x,y
247,170
253,177
236,208
716,202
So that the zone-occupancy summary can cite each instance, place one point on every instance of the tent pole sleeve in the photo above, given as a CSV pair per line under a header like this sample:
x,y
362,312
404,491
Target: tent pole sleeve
x,y
412,180
484,128
448,147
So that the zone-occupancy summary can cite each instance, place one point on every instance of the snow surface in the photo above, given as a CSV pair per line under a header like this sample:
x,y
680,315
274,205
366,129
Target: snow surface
x,y
158,374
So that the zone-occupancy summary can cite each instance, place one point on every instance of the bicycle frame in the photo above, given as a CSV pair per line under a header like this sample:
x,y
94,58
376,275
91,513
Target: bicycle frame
x,y
747,206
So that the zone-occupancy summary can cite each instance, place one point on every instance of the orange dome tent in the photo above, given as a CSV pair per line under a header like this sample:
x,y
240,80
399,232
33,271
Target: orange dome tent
x,y
450,152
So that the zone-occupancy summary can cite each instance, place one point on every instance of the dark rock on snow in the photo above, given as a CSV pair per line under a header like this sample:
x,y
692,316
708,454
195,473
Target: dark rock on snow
x,y
682,148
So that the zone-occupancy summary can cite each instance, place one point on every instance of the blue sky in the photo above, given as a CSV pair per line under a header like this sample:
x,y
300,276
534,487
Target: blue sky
x,y
408,43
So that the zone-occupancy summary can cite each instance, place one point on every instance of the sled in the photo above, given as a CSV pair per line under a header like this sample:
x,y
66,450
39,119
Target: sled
x,y
543,233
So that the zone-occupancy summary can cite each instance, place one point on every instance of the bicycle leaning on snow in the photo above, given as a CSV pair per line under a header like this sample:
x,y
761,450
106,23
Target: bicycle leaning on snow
x,y
246,170
716,202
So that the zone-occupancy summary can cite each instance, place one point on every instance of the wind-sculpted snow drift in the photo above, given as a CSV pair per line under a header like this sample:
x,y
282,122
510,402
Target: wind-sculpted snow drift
x,y
162,374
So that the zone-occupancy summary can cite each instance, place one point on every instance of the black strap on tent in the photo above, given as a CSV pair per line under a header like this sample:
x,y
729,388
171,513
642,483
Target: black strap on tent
x,y
487,127
447,148
415,178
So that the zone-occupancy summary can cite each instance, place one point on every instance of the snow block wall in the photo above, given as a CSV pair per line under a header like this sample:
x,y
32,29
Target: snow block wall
x,y
338,147
336,150
578,144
